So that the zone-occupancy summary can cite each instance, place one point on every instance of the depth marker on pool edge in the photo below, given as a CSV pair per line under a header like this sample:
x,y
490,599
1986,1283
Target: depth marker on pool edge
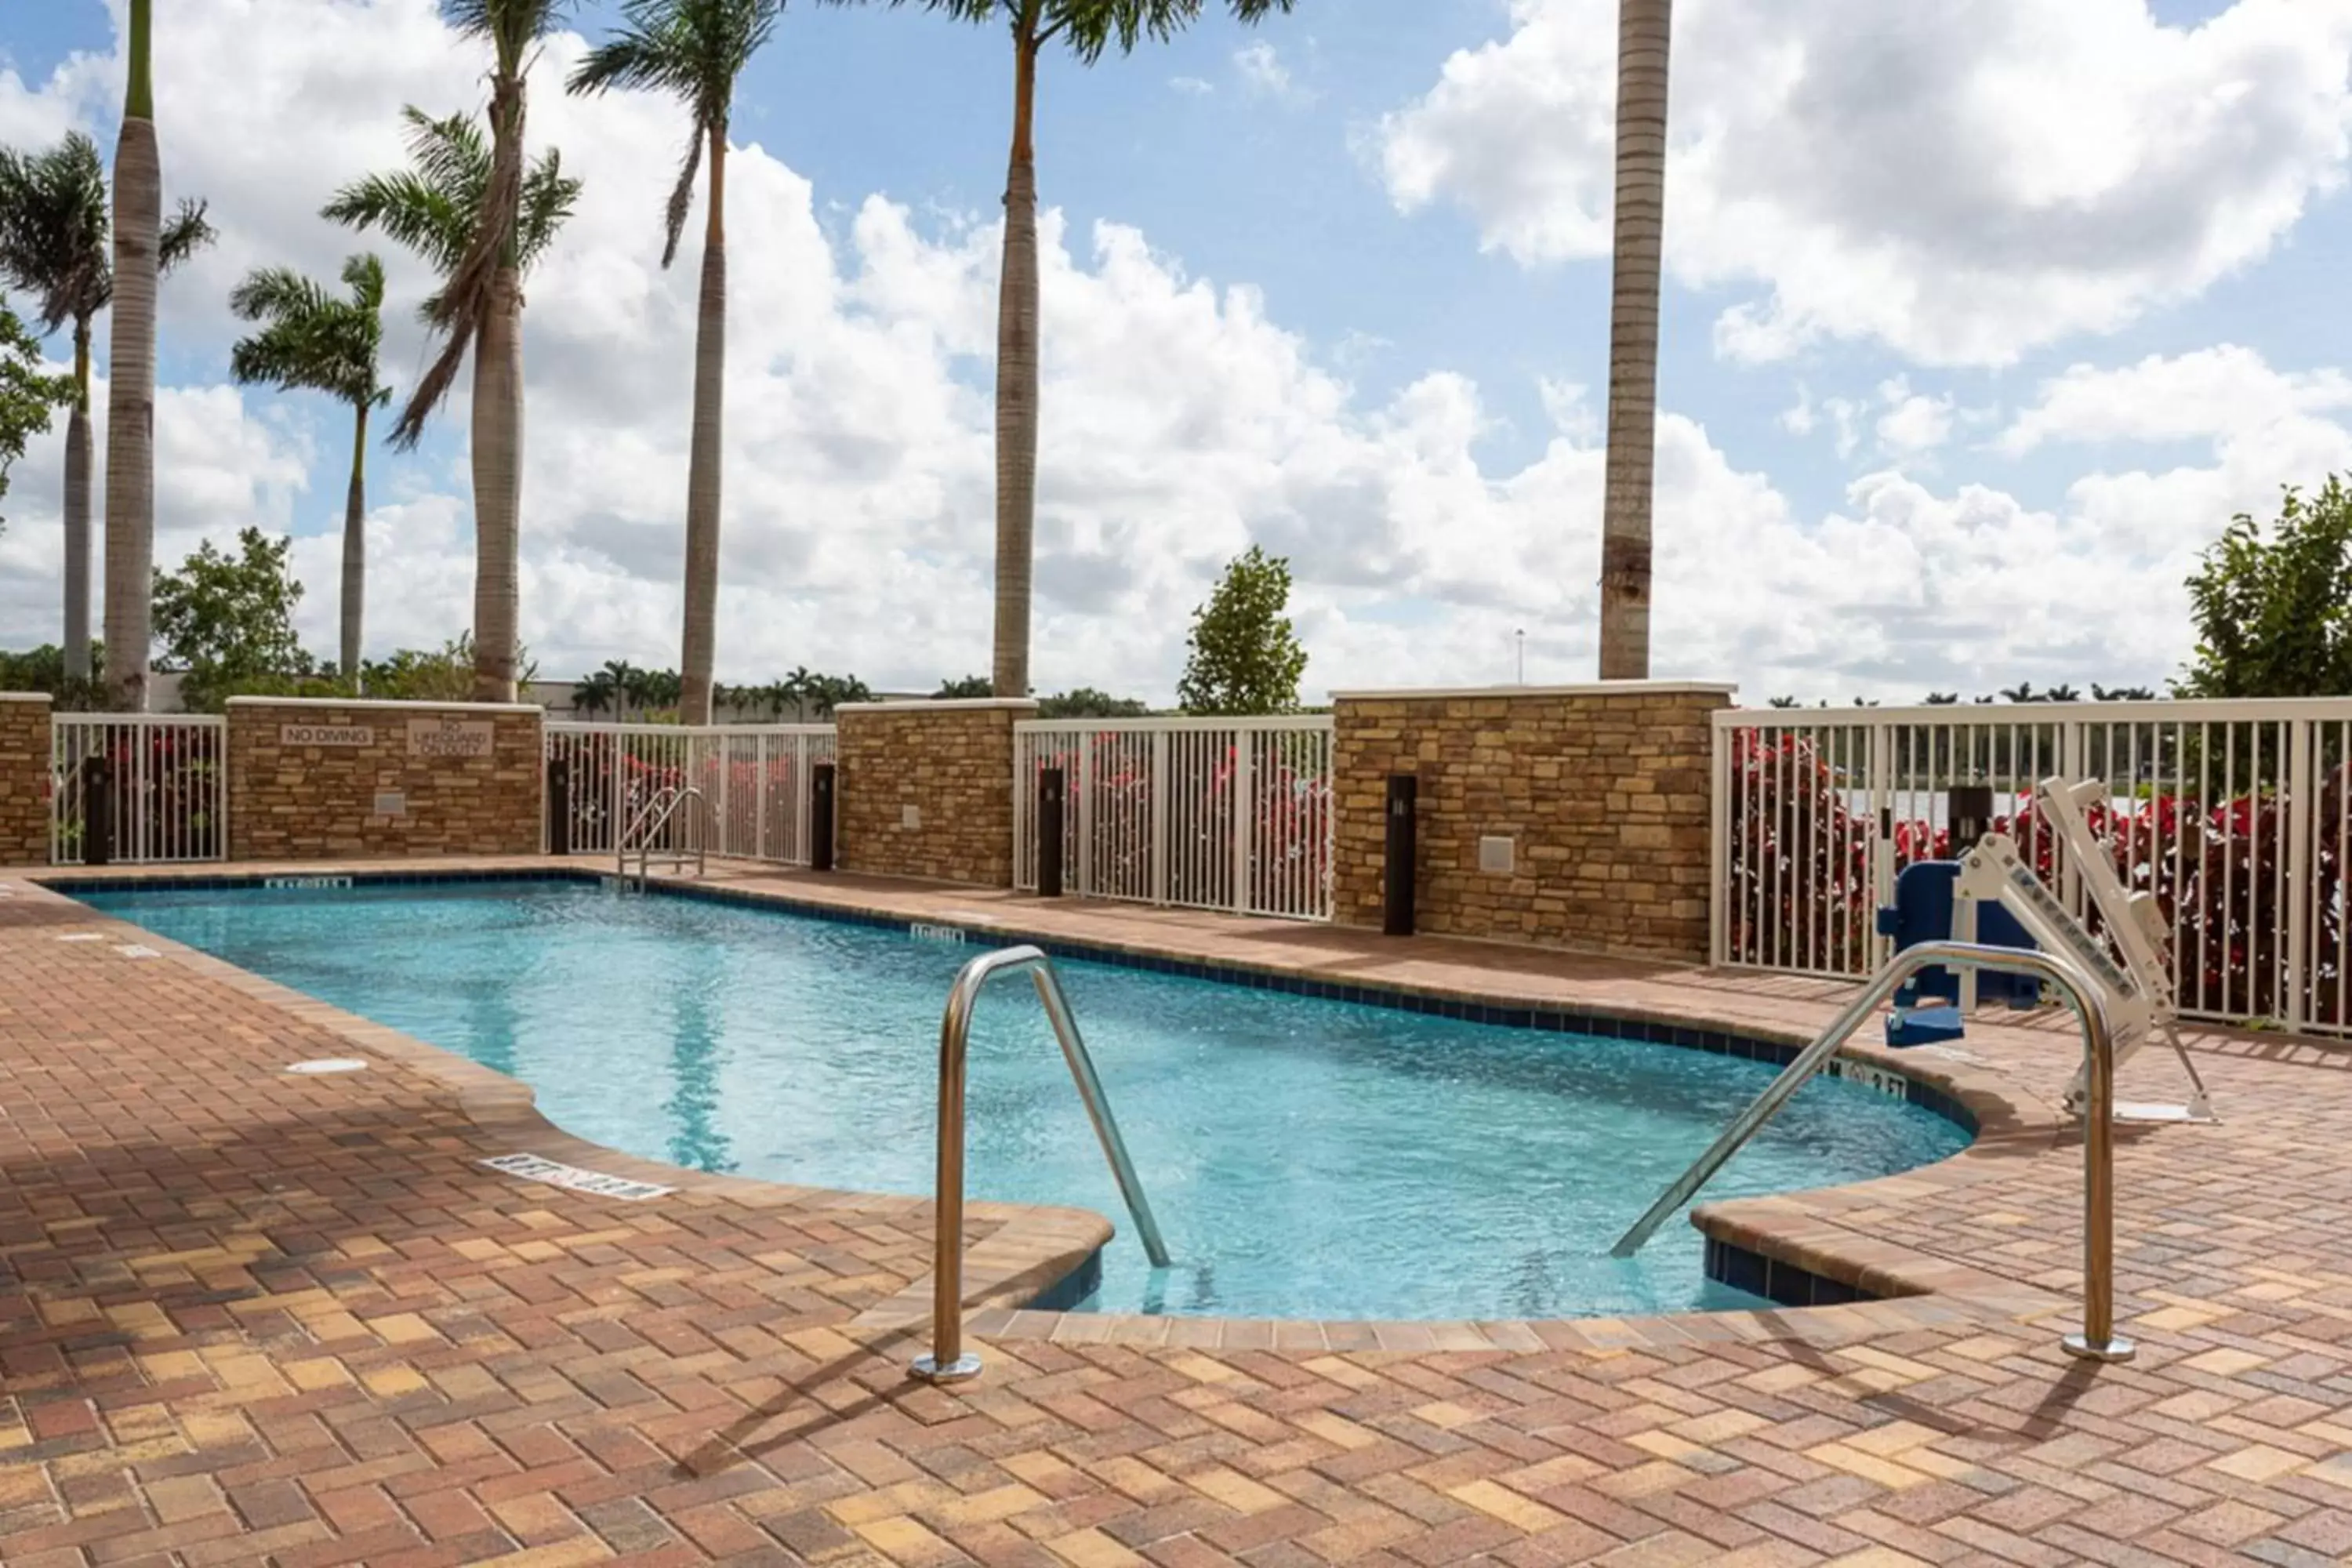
x,y
555,1174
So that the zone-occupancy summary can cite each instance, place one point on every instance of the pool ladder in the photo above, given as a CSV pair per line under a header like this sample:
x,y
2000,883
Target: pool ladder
x,y
2098,1340
648,825
948,1361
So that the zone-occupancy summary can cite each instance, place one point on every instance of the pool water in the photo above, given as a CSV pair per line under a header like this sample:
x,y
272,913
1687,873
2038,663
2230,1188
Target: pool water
x,y
1306,1157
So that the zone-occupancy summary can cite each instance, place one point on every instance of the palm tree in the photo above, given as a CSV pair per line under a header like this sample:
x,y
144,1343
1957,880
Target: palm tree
x,y
131,378
1086,28
1643,29
317,342
596,694
56,243
480,219
695,49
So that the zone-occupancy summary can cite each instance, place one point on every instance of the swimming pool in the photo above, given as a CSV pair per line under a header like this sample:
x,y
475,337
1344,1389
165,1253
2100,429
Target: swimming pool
x,y
1307,1157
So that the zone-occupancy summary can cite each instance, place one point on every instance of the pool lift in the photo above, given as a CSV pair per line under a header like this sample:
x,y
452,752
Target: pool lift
x,y
2122,996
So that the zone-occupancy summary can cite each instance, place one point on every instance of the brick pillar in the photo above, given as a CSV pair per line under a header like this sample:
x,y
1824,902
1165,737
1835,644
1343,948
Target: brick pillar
x,y
1600,793
925,789
325,779
23,778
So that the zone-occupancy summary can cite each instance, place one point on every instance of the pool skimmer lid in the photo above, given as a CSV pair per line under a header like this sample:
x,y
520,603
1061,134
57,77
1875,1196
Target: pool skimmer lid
x,y
328,1065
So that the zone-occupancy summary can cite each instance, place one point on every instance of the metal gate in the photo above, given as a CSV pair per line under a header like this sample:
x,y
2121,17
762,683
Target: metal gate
x,y
1218,814
755,778
156,784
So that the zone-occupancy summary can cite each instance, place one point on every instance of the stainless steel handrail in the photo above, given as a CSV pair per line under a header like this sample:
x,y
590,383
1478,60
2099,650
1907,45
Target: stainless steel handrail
x,y
948,1362
658,801
2097,1341
668,801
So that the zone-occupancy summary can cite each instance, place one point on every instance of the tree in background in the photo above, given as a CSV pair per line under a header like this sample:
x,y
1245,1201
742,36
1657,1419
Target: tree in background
x,y
27,394
226,620
1643,30
1086,702
965,689
479,218
821,694
130,375
1086,28
44,669
1244,657
317,342
445,674
56,245
693,49
2274,613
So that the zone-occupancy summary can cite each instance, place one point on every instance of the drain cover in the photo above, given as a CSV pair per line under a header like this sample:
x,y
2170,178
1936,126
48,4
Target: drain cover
x,y
328,1063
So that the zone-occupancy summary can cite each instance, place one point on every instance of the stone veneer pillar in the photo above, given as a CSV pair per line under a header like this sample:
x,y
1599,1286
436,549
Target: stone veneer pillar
x,y
312,778
925,789
23,778
1600,793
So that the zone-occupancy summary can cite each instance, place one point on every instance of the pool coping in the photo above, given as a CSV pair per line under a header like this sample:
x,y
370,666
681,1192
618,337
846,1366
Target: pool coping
x,y
1810,1240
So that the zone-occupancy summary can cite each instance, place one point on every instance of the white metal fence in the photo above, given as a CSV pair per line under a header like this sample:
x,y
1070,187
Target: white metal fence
x,y
755,779
160,778
2235,815
1221,813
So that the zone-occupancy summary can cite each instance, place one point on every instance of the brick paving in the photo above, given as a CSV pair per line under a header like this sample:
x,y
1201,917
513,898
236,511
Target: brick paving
x,y
247,1317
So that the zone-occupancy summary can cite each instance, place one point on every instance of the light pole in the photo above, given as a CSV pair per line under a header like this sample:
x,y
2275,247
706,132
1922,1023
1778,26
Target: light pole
x,y
1522,636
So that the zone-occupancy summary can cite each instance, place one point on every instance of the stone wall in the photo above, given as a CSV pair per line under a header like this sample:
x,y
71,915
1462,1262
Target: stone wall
x,y
23,779
925,789
330,780
1601,790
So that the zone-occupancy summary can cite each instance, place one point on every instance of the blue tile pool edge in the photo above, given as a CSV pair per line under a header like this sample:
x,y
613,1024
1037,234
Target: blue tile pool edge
x,y
1727,1262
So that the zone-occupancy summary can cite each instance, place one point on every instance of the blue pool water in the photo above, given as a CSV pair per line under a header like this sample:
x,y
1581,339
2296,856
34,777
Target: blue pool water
x,y
1307,1158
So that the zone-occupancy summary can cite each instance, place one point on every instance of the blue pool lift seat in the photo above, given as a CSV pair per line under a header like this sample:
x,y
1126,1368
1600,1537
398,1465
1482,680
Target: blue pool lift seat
x,y
1927,1007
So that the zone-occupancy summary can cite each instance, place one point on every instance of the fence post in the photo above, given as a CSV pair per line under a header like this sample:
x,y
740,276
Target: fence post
x,y
1718,848
97,808
2302,803
559,807
1159,816
1087,815
1047,824
804,787
1244,809
1397,877
820,788
2071,756
1881,836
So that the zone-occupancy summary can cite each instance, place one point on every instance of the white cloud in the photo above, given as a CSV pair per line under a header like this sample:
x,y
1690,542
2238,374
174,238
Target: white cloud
x,y
1262,69
1962,183
1180,423
2221,391
1191,85
1914,424
1799,417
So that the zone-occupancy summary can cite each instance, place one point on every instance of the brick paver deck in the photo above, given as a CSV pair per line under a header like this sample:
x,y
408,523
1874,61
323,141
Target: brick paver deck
x,y
247,1317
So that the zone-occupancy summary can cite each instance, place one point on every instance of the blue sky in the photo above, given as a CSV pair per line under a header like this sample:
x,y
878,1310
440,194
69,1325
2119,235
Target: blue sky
x,y
1292,171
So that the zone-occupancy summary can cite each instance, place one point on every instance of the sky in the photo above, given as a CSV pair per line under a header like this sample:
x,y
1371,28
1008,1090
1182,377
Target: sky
x,y
1980,323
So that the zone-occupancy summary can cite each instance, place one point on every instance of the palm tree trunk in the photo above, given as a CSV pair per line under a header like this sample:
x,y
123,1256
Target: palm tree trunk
x,y
78,467
355,550
1016,385
1643,27
703,477
131,386
498,490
